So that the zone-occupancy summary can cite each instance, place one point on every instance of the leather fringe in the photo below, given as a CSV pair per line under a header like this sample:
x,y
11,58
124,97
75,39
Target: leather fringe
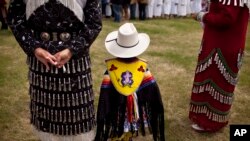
x,y
111,115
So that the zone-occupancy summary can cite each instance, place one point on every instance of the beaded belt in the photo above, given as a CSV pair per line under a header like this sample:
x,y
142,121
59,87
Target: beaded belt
x,y
55,36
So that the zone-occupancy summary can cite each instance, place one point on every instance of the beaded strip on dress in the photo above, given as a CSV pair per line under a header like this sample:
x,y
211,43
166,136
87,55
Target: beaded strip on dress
x,y
211,113
218,58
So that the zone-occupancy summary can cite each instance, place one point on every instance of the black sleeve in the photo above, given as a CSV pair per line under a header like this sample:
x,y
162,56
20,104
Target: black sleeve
x,y
87,33
17,22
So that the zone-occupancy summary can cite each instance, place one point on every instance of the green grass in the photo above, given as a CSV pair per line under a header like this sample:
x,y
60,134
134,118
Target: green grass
x,y
172,57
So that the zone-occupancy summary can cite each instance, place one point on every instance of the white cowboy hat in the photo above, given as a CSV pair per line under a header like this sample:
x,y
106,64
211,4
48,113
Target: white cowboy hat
x,y
126,42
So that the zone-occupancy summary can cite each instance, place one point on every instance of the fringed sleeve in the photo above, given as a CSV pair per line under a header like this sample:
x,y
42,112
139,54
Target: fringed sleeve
x,y
111,111
149,97
103,122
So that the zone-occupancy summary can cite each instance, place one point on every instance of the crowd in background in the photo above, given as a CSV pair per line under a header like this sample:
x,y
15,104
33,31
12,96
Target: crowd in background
x,y
148,9
141,9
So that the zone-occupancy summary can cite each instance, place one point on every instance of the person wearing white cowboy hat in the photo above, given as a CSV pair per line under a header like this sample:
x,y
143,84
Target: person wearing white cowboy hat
x,y
129,98
126,42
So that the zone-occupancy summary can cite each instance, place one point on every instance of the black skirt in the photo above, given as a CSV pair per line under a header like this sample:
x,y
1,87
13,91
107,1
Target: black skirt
x,y
62,100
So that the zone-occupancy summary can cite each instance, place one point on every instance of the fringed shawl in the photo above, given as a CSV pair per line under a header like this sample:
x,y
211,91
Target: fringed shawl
x,y
240,3
74,5
111,112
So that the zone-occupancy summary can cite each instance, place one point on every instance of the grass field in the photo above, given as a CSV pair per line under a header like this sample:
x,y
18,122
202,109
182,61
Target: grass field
x,y
172,57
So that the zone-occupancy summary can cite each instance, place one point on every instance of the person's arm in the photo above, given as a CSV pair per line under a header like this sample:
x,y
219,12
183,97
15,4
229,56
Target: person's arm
x,y
225,15
17,22
31,46
90,30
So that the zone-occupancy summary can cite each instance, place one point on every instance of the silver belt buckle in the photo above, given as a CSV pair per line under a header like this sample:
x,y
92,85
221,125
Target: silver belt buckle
x,y
65,36
45,36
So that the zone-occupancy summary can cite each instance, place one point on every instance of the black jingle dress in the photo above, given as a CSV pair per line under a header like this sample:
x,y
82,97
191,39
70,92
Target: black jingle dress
x,y
61,99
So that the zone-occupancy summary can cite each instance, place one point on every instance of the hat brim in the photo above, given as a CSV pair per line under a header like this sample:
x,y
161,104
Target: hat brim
x,y
123,52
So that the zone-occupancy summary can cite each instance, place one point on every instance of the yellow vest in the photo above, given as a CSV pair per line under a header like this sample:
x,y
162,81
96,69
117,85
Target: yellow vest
x,y
126,76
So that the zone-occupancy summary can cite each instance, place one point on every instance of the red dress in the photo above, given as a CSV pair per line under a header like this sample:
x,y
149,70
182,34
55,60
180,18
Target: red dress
x,y
219,61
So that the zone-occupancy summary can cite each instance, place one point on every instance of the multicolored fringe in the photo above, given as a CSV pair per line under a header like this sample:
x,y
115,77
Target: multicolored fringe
x,y
121,117
132,115
217,57
211,113
147,80
106,81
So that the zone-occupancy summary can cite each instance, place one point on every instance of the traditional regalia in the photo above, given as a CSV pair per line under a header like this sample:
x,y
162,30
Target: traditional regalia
x,y
219,62
61,105
129,99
